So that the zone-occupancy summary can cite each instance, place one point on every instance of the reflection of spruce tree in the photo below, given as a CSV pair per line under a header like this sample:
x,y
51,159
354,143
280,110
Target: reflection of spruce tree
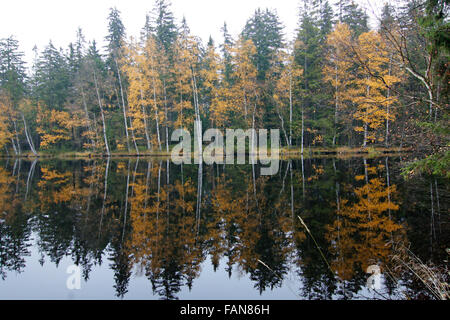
x,y
56,218
121,264
230,247
225,208
214,223
168,282
318,282
55,233
167,277
60,221
122,268
81,246
270,250
14,228
215,243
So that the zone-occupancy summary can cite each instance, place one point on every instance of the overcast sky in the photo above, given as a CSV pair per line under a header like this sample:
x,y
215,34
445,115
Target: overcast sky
x,y
36,22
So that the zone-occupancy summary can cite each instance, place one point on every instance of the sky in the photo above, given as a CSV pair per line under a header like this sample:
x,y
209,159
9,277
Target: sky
x,y
36,22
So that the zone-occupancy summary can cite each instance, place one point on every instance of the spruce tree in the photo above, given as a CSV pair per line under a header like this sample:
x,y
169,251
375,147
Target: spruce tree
x,y
226,48
164,26
351,14
12,70
308,54
265,30
52,78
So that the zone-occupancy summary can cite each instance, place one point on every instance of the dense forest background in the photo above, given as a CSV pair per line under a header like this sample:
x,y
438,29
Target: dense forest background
x,y
338,84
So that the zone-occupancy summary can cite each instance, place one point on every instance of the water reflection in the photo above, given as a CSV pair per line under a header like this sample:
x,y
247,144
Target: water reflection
x,y
162,222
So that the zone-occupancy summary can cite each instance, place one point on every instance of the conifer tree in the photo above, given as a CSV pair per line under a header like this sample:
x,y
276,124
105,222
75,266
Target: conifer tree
x,y
265,31
13,91
351,14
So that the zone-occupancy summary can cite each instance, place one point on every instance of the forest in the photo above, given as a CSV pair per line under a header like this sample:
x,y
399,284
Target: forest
x,y
340,85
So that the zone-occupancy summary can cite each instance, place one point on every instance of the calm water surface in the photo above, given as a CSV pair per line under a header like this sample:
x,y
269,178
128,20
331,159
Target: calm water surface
x,y
150,229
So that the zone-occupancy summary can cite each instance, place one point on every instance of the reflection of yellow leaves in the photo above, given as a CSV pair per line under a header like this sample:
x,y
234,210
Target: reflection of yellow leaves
x,y
318,171
372,170
5,180
361,234
54,176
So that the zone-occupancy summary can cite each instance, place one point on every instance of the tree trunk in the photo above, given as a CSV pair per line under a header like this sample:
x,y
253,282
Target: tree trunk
x,y
103,116
30,177
133,135
30,142
155,106
365,135
126,201
303,131
123,106
288,139
87,118
144,113
290,110
14,146
197,112
199,196
252,157
17,138
105,194
303,176
336,104
166,115
388,95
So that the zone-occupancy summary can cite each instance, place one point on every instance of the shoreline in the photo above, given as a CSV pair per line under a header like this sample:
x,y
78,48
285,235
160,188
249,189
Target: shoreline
x,y
339,151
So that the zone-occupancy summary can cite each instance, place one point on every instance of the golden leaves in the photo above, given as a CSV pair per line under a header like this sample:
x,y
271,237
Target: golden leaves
x,y
54,126
5,133
361,73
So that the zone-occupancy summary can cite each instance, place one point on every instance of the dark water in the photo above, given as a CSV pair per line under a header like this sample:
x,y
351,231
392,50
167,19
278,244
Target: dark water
x,y
150,229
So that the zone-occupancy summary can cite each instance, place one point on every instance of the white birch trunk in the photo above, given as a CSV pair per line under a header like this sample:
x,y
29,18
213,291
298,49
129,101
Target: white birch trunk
x,y
103,116
123,106
30,142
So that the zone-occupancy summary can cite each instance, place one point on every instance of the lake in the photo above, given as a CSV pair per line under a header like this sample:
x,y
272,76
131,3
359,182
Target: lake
x,y
146,228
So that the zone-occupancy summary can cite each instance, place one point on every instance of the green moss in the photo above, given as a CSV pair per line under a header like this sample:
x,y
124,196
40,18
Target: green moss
x,y
436,164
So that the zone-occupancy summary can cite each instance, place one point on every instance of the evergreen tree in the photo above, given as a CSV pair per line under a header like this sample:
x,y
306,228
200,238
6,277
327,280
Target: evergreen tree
x,y
164,25
52,78
265,30
326,19
315,115
12,70
116,33
226,48
351,14
387,17
12,91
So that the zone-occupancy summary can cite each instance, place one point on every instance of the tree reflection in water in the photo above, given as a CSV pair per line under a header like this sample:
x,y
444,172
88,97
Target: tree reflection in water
x,y
155,219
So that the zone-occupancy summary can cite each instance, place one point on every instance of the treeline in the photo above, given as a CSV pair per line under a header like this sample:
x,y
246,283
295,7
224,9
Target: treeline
x,y
337,84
